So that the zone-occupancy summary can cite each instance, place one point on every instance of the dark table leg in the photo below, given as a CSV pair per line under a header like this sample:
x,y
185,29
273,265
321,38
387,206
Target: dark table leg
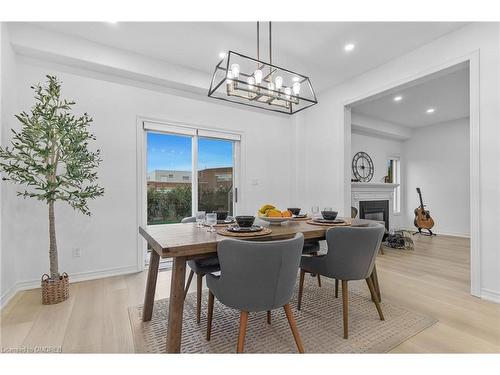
x,y
176,305
375,283
149,296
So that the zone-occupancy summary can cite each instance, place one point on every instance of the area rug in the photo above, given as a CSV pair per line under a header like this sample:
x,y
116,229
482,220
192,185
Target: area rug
x,y
319,323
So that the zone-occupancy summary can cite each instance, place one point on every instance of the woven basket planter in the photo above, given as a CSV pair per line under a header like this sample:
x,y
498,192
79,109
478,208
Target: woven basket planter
x,y
55,291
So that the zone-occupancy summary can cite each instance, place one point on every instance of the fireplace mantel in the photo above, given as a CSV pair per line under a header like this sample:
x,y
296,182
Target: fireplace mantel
x,y
364,186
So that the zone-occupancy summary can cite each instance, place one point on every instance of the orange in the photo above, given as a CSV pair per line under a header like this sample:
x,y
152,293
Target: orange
x,y
286,214
274,213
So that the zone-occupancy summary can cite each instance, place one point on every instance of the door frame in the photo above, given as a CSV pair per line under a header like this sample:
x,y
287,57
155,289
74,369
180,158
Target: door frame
x,y
141,169
474,163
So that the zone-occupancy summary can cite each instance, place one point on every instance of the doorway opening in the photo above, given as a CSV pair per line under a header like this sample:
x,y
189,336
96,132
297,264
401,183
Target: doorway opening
x,y
423,133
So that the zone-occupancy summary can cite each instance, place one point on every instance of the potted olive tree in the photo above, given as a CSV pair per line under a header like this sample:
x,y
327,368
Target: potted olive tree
x,y
50,158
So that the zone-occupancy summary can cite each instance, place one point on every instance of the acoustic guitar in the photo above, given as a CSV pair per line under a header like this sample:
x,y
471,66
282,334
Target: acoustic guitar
x,y
423,219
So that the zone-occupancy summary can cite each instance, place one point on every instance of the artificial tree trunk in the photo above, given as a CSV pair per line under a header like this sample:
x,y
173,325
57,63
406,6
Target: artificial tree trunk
x,y
54,266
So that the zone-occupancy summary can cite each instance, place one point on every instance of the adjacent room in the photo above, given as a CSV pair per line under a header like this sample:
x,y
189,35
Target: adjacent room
x,y
250,187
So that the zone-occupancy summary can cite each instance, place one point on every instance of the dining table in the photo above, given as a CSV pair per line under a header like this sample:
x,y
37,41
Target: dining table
x,y
183,242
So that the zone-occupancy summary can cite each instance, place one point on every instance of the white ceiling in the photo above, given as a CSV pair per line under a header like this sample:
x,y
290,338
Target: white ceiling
x,y
446,91
315,49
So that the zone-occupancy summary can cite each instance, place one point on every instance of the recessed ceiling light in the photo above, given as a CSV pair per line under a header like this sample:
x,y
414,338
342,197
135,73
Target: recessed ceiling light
x,y
430,110
398,98
349,47
222,55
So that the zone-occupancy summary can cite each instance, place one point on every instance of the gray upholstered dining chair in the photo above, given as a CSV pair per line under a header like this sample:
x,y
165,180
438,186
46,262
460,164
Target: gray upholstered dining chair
x,y
256,276
351,256
200,267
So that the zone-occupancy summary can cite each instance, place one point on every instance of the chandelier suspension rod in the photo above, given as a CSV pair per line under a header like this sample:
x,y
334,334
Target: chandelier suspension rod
x,y
270,53
258,39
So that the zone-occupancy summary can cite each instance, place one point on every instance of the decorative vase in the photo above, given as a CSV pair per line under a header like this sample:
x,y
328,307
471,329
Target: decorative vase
x,y
55,291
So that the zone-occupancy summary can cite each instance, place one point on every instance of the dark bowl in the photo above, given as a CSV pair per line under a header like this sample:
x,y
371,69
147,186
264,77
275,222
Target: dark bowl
x,y
294,211
221,215
329,215
245,221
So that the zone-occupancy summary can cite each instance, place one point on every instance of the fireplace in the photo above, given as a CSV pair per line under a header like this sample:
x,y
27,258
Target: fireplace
x,y
375,210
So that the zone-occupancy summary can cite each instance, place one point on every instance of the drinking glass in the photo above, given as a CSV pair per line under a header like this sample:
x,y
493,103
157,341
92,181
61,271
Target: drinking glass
x,y
200,218
315,211
211,220
327,209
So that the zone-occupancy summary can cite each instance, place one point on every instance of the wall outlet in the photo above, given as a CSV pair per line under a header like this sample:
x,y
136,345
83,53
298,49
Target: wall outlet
x,y
77,253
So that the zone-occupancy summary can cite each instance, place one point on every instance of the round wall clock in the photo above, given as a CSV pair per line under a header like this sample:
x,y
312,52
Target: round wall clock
x,y
362,167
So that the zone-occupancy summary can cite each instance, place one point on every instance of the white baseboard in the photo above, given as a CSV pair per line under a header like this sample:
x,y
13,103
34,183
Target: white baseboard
x,y
490,295
74,278
7,296
452,234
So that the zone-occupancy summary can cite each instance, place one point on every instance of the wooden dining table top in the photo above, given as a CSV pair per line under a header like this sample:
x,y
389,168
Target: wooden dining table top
x,y
174,240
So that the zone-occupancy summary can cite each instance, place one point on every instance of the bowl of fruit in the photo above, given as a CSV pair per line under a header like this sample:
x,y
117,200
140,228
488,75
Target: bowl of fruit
x,y
273,215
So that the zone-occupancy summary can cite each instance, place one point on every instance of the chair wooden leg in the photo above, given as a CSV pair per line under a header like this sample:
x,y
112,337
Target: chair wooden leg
x,y
293,327
376,285
369,281
188,284
336,288
301,288
345,308
381,250
318,275
269,317
243,331
199,280
210,314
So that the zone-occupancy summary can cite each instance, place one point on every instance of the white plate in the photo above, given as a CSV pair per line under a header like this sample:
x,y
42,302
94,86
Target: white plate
x,y
274,220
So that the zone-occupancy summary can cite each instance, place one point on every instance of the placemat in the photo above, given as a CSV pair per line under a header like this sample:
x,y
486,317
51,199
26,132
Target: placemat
x,y
263,232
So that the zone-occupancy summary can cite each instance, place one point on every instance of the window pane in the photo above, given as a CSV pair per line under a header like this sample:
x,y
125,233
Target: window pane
x,y
215,175
169,164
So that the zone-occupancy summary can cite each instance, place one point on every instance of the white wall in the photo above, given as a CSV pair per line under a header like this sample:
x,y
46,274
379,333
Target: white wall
x,y
7,102
436,159
322,131
108,239
379,149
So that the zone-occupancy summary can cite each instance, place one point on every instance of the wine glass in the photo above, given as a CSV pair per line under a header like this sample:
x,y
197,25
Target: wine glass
x,y
200,218
211,220
315,212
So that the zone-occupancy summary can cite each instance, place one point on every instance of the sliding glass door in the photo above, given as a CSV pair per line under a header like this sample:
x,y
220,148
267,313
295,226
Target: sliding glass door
x,y
189,170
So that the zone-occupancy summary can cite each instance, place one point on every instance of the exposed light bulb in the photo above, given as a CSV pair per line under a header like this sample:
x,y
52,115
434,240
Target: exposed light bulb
x,y
295,79
258,76
296,88
288,92
222,55
398,98
270,87
235,69
430,110
251,83
279,82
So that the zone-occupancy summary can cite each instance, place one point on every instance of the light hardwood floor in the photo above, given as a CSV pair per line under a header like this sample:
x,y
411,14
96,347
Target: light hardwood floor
x,y
433,279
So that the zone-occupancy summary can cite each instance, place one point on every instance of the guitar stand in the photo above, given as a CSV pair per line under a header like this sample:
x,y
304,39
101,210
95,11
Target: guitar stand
x,y
430,234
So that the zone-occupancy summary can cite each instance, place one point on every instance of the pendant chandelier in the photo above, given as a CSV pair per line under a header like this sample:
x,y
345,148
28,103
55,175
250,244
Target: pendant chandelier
x,y
242,79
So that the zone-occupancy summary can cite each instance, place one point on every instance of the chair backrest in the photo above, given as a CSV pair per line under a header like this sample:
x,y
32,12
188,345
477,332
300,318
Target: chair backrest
x,y
258,276
352,251
189,219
